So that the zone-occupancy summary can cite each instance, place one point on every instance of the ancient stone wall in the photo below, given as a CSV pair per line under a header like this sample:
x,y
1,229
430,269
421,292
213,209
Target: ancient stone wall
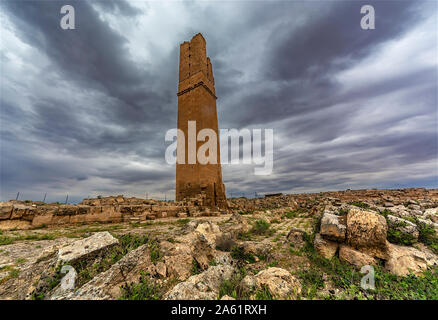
x,y
26,215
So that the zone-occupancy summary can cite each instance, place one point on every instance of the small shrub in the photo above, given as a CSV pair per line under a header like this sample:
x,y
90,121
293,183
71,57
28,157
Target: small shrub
x,y
428,236
261,227
145,289
343,211
239,254
155,252
196,267
231,287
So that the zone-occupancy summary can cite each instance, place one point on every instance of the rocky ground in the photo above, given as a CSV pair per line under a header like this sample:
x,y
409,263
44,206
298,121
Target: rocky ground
x,y
284,247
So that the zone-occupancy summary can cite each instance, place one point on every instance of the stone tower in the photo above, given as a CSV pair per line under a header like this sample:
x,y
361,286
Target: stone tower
x,y
197,102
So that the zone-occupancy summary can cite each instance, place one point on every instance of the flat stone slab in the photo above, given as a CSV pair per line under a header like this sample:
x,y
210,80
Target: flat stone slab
x,y
85,247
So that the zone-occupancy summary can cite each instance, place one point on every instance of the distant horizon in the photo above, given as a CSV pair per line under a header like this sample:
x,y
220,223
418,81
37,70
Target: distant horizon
x,y
235,195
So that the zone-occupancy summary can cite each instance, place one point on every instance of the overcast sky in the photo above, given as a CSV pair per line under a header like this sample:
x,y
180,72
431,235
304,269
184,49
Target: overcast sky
x,y
84,112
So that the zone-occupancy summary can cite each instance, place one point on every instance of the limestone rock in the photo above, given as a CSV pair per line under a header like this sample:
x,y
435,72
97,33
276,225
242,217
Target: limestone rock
x,y
210,231
203,286
354,257
5,211
84,247
280,283
333,227
324,247
366,232
402,260
107,285
227,297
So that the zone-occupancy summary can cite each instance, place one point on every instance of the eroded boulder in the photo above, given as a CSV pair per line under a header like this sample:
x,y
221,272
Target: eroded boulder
x,y
403,260
280,283
203,286
325,247
354,257
333,227
366,232
85,247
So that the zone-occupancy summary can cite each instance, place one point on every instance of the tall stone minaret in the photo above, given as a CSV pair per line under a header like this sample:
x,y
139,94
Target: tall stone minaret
x,y
197,102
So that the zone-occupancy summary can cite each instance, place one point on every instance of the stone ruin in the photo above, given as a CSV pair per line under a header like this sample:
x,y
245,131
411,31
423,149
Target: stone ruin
x,y
197,102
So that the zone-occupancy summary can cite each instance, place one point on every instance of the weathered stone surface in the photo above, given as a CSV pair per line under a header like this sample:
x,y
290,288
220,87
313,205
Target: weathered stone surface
x,y
227,297
366,231
179,266
280,283
84,247
203,286
107,285
403,260
5,212
354,257
333,227
210,232
325,247
14,224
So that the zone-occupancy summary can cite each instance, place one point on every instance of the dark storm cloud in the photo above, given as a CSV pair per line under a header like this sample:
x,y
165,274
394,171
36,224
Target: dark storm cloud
x,y
100,129
302,62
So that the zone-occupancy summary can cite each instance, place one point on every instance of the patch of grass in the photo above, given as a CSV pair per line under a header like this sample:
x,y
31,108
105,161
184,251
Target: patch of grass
x,y
4,240
231,286
295,213
398,237
385,213
428,236
246,236
20,261
155,252
183,221
263,294
145,289
291,214
360,204
312,281
246,212
13,273
272,264
343,211
196,267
